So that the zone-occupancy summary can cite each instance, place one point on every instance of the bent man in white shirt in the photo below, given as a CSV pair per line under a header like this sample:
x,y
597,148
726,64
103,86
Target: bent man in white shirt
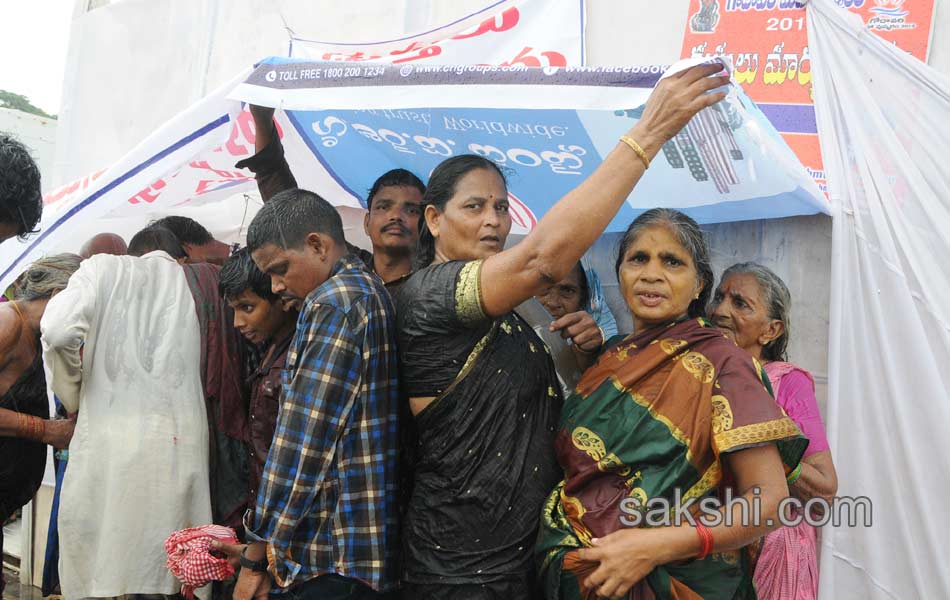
x,y
121,346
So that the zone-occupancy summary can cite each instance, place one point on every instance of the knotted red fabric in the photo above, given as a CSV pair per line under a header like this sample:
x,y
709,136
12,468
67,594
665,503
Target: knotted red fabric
x,y
190,558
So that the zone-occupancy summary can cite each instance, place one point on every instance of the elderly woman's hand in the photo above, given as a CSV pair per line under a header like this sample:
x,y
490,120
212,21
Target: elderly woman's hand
x,y
625,557
581,329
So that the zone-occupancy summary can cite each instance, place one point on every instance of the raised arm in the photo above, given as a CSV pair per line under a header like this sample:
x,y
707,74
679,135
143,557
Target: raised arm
x,y
268,164
552,249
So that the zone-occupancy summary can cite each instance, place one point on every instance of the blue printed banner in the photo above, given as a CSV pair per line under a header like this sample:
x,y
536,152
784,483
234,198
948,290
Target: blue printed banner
x,y
549,128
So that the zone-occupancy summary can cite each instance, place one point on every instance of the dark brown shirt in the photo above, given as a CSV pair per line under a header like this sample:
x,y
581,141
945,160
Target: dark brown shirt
x,y
265,403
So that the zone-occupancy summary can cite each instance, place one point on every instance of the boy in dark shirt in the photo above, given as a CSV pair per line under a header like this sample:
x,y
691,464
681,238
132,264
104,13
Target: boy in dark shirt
x,y
261,318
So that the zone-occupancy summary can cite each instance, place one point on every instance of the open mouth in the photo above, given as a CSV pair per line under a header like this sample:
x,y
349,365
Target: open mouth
x,y
650,298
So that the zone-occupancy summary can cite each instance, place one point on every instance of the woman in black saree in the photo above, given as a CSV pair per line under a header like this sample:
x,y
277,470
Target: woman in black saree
x,y
479,381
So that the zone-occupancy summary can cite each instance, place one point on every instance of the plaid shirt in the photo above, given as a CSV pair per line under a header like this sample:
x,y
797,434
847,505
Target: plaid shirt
x,y
327,502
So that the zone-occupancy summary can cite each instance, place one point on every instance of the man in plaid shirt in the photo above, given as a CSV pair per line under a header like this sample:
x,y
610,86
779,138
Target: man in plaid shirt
x,y
325,521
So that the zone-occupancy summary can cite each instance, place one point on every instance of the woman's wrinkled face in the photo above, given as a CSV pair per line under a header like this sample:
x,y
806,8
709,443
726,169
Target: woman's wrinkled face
x,y
658,278
564,297
475,221
738,309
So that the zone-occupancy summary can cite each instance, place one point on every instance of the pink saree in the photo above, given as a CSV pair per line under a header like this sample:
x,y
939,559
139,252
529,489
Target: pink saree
x,y
787,568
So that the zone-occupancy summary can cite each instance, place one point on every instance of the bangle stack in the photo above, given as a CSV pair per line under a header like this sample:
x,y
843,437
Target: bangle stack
x,y
629,141
30,427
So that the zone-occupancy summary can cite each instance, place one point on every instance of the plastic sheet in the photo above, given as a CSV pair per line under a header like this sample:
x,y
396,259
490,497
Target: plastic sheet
x,y
882,120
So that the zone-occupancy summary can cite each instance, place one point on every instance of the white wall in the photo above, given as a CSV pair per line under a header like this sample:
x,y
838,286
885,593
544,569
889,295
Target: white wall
x,y
36,133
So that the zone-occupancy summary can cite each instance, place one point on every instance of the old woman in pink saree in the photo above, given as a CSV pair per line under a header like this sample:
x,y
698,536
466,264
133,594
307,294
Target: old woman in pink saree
x,y
751,306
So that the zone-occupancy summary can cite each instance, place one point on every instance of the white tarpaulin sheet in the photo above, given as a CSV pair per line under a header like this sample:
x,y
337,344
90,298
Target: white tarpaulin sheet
x,y
882,120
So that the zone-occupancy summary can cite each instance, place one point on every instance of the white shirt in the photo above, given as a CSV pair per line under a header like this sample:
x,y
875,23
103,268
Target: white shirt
x,y
138,461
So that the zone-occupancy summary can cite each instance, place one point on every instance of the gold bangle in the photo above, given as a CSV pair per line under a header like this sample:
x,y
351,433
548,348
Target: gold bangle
x,y
626,139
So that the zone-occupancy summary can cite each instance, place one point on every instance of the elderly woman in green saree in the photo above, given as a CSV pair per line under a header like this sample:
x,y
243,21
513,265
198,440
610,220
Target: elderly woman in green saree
x,y
673,415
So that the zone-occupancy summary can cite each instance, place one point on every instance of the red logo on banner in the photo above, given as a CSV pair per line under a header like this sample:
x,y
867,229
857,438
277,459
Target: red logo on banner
x,y
521,215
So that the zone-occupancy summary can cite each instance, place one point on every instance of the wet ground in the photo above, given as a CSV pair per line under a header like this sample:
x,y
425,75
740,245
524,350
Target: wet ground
x,y
17,591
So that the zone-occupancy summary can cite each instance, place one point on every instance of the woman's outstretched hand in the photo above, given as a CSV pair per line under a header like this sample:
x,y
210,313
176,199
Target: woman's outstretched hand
x,y
675,100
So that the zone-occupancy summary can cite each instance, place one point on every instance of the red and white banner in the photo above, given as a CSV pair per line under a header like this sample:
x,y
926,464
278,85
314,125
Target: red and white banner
x,y
528,33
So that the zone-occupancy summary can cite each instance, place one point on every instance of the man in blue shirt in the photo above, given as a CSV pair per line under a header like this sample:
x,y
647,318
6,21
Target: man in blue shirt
x,y
325,521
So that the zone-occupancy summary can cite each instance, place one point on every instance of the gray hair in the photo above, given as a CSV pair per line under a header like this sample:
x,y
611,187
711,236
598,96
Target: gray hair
x,y
47,276
689,235
777,300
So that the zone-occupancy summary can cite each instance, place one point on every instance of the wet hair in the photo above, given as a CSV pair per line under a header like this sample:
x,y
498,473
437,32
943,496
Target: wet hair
x,y
777,300
21,202
396,177
188,231
46,276
290,216
441,188
239,273
689,235
154,238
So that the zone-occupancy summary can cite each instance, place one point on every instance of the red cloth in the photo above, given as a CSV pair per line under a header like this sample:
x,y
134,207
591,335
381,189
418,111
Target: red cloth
x,y
190,558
